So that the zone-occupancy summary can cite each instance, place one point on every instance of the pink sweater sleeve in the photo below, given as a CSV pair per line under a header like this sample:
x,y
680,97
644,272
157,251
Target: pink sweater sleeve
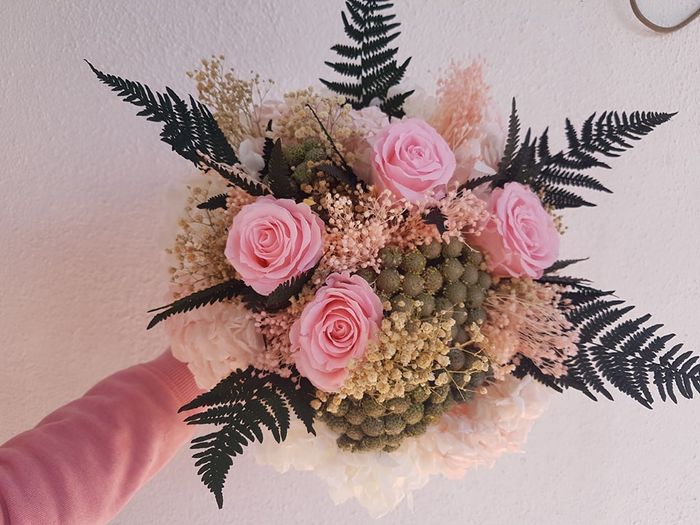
x,y
83,462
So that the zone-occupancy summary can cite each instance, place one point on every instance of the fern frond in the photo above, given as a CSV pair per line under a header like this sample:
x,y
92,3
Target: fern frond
x,y
279,175
188,127
280,297
561,264
242,405
214,203
217,293
618,351
368,59
532,163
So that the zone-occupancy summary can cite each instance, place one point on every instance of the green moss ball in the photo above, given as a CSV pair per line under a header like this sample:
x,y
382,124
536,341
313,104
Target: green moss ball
x,y
343,408
371,407
394,424
443,304
432,250
294,154
414,414
475,296
433,412
475,257
413,262
390,256
345,443
373,426
316,154
413,284
457,359
456,292
452,270
398,405
484,280
416,430
459,314
401,303
355,432
477,379
388,280
302,174
355,415
470,275
439,394
368,274
452,248
337,424
371,443
477,315
420,394
432,279
427,305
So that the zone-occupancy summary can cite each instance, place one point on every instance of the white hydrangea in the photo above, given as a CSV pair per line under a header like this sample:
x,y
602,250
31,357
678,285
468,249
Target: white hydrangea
x,y
470,436
214,341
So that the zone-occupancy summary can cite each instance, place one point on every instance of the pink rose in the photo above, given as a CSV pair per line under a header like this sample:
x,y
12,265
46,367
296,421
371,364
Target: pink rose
x,y
273,240
334,329
520,239
412,160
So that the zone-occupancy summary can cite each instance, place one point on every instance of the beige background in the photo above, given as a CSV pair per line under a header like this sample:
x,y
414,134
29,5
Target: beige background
x,y
81,202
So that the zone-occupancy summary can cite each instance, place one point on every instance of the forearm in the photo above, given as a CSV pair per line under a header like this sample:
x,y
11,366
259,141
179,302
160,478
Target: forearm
x,y
83,462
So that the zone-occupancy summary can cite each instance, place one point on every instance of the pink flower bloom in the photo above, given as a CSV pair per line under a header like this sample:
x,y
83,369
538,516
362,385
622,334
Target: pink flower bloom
x,y
273,240
334,329
520,239
412,160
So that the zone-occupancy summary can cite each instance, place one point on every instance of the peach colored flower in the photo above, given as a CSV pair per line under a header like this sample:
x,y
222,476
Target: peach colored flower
x,y
412,160
334,329
520,239
272,241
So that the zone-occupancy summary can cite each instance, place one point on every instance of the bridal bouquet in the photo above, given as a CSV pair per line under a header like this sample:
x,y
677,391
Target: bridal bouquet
x,y
384,265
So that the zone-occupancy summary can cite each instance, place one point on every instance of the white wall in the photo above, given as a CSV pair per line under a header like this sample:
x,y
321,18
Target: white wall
x,y
81,197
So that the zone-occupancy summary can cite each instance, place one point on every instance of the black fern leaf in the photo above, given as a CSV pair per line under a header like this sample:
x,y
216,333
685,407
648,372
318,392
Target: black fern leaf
x,y
512,142
368,61
188,126
527,367
279,175
337,173
561,264
554,176
236,177
268,145
615,350
241,406
436,218
472,184
393,105
217,293
560,198
280,296
214,203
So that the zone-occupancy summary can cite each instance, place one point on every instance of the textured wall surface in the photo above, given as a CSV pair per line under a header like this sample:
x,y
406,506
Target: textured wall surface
x,y
81,202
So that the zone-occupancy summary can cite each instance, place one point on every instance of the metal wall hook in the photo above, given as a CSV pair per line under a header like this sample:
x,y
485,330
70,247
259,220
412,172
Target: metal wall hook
x,y
661,29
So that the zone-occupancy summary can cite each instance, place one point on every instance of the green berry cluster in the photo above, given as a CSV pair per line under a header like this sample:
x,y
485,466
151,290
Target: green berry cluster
x,y
298,156
366,424
439,278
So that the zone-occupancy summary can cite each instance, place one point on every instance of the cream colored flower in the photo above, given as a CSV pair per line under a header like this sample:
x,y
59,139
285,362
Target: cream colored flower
x,y
470,436
214,341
